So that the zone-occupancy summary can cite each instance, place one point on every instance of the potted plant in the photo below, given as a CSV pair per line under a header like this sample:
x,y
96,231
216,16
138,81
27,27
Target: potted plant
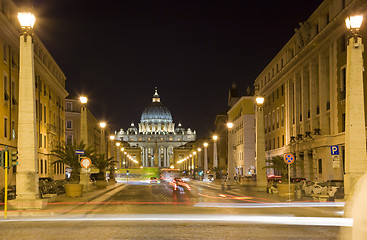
x,y
102,163
66,155
278,164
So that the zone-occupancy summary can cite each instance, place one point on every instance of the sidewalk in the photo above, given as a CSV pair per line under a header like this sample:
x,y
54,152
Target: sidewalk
x,y
248,190
64,205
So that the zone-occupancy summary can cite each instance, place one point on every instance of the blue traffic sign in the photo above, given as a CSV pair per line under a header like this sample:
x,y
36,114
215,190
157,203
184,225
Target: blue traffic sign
x,y
288,158
79,152
334,150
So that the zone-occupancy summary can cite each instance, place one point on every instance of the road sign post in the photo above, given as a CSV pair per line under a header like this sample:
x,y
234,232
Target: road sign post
x,y
289,159
86,163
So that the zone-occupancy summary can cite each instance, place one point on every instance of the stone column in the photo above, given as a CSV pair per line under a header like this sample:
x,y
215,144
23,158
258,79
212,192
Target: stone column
x,y
27,177
355,134
215,154
231,165
261,180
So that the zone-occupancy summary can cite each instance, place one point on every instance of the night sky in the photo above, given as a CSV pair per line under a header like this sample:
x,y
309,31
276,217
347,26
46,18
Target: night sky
x,y
117,52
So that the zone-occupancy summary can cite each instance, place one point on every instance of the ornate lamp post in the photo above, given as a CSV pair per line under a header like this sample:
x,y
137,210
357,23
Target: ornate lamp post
x,y
205,161
194,163
215,151
118,154
103,138
231,165
355,136
27,177
261,180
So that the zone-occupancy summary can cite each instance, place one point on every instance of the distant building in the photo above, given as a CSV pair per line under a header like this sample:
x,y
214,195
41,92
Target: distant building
x,y
156,135
242,134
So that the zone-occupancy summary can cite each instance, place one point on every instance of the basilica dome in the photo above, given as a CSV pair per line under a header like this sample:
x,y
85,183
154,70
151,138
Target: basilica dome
x,y
156,112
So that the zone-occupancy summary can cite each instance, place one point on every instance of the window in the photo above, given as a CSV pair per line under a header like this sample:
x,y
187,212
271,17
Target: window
x,y
69,139
44,142
282,116
44,114
41,165
5,127
277,93
13,97
281,63
282,90
6,93
320,165
69,106
69,124
40,114
40,140
45,166
342,83
277,117
5,51
282,140
13,130
273,119
265,122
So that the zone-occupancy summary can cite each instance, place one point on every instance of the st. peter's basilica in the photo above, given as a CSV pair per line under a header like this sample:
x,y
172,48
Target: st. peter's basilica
x,y
156,135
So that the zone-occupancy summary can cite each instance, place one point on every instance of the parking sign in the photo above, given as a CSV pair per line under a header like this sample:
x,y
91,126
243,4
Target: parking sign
x,y
334,150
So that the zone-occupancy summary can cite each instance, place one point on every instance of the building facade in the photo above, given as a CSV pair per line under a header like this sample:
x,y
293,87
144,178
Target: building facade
x,y
98,137
50,94
241,138
156,135
304,90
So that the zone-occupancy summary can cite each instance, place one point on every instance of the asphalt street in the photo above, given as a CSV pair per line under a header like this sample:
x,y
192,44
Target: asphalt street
x,y
141,210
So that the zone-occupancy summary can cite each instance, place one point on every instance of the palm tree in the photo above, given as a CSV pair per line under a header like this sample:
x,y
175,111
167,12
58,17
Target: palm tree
x,y
218,171
66,154
277,163
102,163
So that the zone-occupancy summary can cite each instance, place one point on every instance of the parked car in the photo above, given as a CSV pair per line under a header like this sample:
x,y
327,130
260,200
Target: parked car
x,y
11,193
153,180
47,185
297,180
332,186
60,185
310,188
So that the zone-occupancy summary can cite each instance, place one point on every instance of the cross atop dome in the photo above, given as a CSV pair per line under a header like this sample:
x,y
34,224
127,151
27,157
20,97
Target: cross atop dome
x,y
156,96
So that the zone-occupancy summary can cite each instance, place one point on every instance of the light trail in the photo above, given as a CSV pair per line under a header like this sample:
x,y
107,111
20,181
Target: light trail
x,y
271,205
213,218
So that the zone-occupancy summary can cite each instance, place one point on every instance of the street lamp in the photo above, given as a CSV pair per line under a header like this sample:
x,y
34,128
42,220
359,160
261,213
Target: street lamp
x,y
215,151
103,138
83,120
231,165
27,178
205,161
261,180
355,136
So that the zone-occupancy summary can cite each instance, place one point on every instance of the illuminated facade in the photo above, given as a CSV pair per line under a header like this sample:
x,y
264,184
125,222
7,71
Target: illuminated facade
x,y
50,94
304,89
156,135
242,136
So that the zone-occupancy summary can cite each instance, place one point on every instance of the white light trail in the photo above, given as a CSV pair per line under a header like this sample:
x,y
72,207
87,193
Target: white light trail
x,y
251,219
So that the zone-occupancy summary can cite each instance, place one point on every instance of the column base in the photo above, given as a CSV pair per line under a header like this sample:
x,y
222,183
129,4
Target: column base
x,y
350,181
27,204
